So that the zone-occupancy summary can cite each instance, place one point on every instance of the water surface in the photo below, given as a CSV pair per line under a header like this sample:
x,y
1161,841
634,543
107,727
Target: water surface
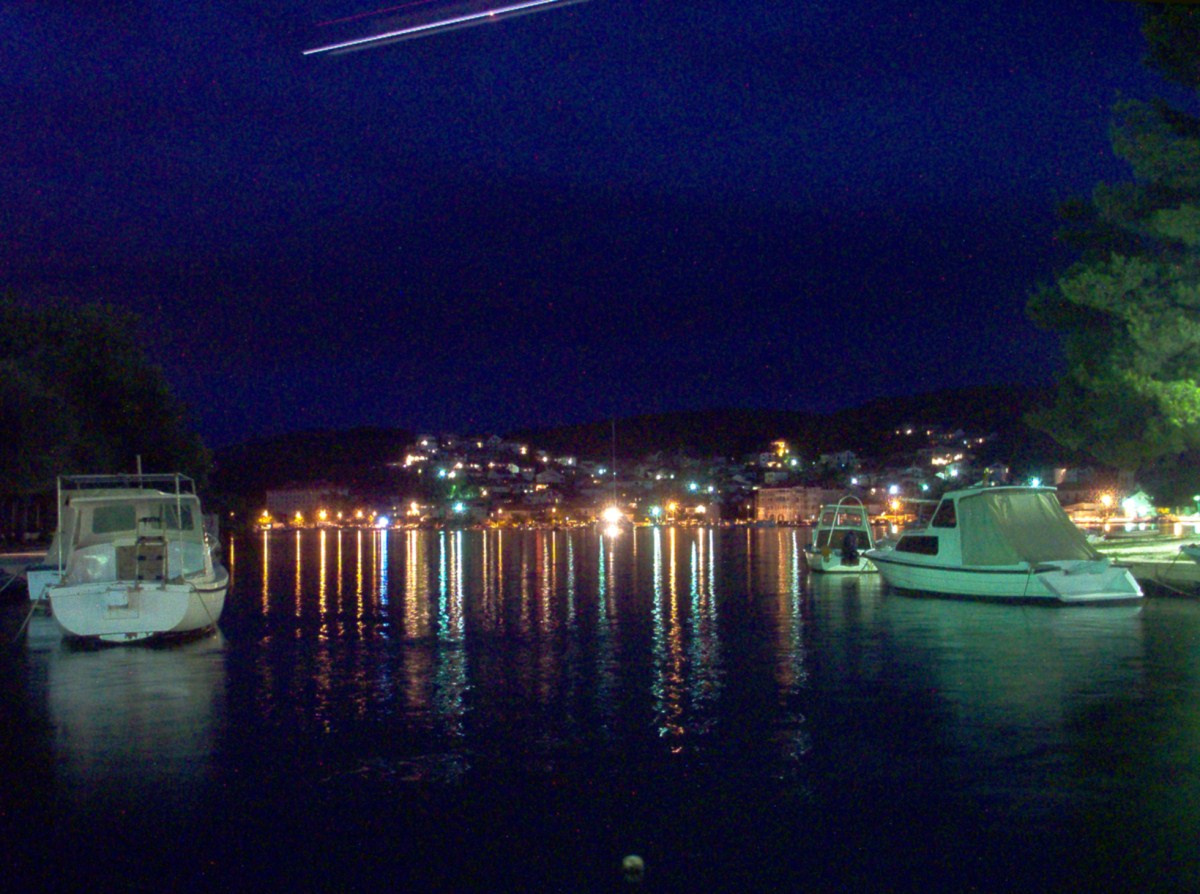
x,y
511,711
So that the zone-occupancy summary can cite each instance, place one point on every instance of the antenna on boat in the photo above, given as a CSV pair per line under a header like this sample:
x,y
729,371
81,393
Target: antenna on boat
x,y
614,458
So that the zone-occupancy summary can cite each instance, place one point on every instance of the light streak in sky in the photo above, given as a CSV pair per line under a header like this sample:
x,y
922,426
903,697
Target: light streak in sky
x,y
437,26
377,12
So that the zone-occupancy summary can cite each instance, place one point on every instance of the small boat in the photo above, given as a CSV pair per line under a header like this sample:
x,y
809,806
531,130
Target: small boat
x,y
840,538
1004,543
131,559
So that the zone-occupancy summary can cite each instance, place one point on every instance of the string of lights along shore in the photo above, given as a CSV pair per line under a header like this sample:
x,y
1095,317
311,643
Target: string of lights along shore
x,y
423,18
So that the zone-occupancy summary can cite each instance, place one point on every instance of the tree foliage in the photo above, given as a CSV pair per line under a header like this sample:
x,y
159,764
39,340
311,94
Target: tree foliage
x,y
79,393
1128,311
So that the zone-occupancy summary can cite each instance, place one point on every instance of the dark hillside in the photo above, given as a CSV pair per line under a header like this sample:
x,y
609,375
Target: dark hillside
x,y
696,432
867,429
355,457
358,458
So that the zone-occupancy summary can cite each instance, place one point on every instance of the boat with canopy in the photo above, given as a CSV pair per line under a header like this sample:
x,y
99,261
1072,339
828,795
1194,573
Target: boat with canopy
x,y
1008,543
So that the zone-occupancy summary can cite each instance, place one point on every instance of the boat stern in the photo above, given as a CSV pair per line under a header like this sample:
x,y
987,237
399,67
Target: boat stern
x,y
1094,581
122,612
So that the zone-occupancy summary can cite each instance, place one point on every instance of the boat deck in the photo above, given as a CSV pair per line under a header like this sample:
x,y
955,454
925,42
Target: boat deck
x,y
1157,561
13,564
12,570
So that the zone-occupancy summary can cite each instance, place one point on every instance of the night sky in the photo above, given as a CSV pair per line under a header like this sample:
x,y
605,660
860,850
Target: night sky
x,y
606,208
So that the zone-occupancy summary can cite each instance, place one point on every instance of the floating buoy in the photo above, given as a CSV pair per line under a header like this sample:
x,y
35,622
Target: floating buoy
x,y
633,868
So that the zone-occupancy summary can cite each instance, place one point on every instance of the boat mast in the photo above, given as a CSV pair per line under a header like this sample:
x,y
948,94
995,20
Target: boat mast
x,y
614,460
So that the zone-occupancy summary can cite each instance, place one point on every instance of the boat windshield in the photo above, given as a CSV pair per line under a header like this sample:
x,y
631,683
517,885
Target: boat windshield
x,y
843,517
113,519
132,517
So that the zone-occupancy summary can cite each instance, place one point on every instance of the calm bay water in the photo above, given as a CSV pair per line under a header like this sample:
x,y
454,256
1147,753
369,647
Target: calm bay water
x,y
517,711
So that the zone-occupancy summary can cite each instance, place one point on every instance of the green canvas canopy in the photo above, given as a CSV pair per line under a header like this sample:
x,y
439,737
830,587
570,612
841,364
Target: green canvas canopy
x,y
1005,527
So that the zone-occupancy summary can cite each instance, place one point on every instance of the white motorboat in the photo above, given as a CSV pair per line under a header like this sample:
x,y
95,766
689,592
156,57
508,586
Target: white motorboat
x,y
130,560
840,538
1003,543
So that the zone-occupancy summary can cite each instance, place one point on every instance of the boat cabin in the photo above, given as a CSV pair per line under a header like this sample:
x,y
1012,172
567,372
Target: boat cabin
x,y
127,533
999,526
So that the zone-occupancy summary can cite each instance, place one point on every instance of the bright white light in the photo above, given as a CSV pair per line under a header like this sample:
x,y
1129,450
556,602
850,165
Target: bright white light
x,y
382,522
1137,506
612,514
612,530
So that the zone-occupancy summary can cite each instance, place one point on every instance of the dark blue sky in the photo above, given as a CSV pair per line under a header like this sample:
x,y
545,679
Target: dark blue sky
x,y
602,209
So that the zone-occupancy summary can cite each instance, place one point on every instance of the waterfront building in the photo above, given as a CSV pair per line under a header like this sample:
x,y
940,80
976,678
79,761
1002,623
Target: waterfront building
x,y
792,505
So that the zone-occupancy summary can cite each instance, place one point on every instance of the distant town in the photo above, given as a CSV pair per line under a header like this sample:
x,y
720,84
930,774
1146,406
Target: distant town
x,y
446,480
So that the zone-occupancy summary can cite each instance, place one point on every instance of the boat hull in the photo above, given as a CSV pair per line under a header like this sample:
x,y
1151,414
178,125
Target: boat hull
x,y
125,612
1061,583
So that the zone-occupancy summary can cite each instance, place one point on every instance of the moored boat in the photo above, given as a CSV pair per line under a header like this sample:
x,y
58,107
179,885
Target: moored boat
x,y
130,560
840,539
1003,543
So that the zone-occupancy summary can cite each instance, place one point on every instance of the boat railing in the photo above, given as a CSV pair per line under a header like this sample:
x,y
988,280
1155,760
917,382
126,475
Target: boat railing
x,y
171,482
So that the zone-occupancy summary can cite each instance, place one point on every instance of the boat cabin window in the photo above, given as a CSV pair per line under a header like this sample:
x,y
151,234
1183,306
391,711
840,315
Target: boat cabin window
x,y
917,543
166,516
147,518
171,518
111,519
945,516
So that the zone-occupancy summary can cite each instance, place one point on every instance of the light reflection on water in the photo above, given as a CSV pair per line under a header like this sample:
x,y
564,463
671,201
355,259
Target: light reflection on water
x,y
696,671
